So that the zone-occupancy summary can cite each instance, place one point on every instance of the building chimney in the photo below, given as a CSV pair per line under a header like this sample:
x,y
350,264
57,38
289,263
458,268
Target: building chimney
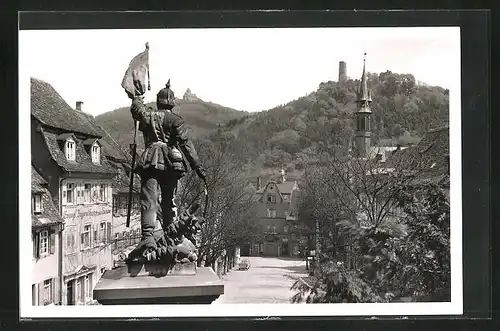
x,y
79,105
258,183
342,72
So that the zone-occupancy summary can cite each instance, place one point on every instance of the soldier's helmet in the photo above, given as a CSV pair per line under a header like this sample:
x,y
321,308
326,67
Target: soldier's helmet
x,y
165,99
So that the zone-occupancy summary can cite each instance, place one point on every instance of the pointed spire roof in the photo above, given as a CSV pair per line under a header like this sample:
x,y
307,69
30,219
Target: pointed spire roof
x,y
364,94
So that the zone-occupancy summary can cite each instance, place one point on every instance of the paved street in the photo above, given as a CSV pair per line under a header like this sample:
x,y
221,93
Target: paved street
x,y
267,281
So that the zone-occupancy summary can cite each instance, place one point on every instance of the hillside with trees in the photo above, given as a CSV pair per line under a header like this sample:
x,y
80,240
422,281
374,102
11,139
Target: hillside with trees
x,y
291,135
201,117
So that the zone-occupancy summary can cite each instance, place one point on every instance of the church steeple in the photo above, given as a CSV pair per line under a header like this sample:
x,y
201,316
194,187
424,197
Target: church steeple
x,y
364,94
362,116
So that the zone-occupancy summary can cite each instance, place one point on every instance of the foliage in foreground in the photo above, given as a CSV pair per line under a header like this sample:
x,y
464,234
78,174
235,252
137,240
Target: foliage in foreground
x,y
389,265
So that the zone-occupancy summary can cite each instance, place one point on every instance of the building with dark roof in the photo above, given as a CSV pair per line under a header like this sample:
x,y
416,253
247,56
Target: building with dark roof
x,y
69,152
277,210
46,227
433,155
123,238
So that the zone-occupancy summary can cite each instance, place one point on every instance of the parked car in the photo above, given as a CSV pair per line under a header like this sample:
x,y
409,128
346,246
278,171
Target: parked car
x,y
244,264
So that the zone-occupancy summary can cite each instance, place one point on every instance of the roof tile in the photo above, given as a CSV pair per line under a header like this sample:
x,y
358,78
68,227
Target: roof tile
x,y
50,109
50,214
83,162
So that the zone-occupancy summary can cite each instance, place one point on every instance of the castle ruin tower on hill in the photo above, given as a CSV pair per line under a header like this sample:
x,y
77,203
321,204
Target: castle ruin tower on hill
x,y
362,139
342,72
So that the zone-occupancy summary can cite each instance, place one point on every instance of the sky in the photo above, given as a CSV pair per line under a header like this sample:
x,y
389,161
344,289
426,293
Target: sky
x,y
246,69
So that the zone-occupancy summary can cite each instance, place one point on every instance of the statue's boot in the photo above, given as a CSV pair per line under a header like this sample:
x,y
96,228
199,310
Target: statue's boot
x,y
148,244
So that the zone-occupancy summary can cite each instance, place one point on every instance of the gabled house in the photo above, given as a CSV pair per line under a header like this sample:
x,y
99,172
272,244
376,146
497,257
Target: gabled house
x,y
46,227
123,238
275,213
67,151
433,155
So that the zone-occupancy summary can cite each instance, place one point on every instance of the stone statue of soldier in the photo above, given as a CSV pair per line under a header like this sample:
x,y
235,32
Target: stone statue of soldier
x,y
161,165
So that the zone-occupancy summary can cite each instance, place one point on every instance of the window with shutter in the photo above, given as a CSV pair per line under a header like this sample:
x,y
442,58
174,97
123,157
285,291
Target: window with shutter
x,y
95,153
78,292
44,242
37,203
52,242
95,235
87,188
86,236
80,193
87,287
70,193
115,204
36,245
40,294
108,232
70,233
64,200
70,149
102,192
47,292
102,232
34,300
95,193
54,289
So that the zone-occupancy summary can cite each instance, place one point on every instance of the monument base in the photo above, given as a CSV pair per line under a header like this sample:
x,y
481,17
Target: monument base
x,y
120,287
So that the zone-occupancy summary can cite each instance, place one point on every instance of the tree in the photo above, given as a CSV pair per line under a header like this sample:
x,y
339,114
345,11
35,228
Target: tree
x,y
381,230
424,272
230,211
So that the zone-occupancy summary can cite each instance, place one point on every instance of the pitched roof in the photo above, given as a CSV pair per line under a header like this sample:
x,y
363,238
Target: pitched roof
x,y
83,160
109,146
432,153
121,181
37,181
294,204
286,187
48,107
49,215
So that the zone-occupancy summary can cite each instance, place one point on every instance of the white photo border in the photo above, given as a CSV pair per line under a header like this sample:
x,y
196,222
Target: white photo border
x,y
455,307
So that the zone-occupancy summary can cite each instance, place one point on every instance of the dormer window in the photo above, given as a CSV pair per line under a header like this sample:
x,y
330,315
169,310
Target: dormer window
x,y
69,141
96,152
70,149
37,203
93,147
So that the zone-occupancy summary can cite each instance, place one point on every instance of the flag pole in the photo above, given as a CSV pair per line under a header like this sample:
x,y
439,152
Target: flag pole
x,y
149,81
133,147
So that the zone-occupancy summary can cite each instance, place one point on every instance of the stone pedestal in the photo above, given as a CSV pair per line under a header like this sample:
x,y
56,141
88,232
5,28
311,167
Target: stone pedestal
x,y
129,285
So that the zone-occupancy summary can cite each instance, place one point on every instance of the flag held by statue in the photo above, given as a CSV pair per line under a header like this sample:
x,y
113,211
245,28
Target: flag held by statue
x,y
134,80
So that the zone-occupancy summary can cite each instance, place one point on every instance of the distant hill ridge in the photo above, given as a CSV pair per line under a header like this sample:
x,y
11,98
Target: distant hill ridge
x,y
291,135
201,117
